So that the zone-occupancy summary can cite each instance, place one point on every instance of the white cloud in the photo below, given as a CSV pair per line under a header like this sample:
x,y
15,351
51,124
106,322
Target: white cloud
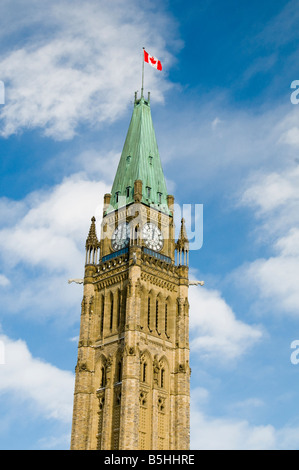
x,y
291,136
55,442
215,332
248,404
53,231
4,281
276,280
209,433
289,244
48,245
270,191
47,388
275,198
84,66
226,433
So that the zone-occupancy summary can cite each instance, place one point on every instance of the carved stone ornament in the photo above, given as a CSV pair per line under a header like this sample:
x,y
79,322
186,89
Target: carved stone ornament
x,y
82,366
109,361
130,350
156,369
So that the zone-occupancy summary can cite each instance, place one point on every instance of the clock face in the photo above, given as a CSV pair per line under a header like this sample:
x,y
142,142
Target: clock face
x,y
152,237
120,237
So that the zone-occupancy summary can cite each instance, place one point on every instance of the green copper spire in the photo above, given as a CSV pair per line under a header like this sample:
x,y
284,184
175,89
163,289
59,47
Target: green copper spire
x,y
140,160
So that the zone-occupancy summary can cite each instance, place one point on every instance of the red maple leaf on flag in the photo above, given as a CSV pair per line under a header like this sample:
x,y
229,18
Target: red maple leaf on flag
x,y
153,61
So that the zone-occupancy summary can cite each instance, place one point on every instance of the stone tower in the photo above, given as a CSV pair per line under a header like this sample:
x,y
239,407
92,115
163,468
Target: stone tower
x,y
132,389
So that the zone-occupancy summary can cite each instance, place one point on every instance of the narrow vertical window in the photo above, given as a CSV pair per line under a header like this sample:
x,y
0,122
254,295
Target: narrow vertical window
x,y
162,378
102,317
111,312
124,308
103,378
119,309
128,191
144,372
159,198
148,192
149,313
119,371
117,196
166,318
157,315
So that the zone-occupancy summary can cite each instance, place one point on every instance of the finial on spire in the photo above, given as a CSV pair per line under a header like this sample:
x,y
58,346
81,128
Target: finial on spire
x,y
92,244
92,239
183,233
182,246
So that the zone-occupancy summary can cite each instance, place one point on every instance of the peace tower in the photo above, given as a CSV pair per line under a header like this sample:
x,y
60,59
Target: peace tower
x,y
132,388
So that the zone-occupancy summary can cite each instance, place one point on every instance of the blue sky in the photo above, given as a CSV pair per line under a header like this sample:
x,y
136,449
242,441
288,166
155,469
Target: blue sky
x,y
228,137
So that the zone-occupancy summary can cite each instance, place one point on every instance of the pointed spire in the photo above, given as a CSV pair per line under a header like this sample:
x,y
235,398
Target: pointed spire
x,y
183,241
140,160
182,246
92,244
92,239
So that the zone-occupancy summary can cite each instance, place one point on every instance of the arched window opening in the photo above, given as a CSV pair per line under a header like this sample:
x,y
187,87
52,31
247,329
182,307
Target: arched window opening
x,y
128,191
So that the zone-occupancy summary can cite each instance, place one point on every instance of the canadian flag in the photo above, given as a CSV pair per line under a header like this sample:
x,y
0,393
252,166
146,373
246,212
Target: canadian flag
x,y
153,61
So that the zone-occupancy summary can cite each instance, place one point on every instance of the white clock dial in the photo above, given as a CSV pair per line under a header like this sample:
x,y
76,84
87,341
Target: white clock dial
x,y
152,237
120,237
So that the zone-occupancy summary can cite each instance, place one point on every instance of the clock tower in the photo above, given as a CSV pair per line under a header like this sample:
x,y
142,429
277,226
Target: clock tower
x,y
132,389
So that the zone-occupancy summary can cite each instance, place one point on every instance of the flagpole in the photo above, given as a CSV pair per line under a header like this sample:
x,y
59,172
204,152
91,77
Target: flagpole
x,y
142,72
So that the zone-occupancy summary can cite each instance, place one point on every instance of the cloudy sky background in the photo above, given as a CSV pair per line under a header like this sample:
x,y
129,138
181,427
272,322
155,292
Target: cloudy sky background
x,y
228,136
